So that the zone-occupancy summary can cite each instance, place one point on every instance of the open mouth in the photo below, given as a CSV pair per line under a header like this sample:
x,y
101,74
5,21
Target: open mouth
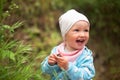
x,y
80,41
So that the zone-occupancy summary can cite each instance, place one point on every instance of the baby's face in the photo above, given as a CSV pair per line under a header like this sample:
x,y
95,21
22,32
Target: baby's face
x,y
78,36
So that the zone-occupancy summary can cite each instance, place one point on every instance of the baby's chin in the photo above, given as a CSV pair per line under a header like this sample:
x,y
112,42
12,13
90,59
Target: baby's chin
x,y
76,49
80,48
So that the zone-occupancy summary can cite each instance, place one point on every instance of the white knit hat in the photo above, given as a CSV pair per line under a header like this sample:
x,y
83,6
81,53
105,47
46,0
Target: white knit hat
x,y
69,18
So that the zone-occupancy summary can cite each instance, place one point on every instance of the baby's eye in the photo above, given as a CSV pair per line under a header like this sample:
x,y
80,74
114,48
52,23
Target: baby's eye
x,y
86,30
76,30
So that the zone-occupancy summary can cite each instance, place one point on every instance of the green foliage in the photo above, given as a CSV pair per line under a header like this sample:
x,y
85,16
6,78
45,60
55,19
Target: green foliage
x,y
15,59
13,55
107,11
6,11
1,7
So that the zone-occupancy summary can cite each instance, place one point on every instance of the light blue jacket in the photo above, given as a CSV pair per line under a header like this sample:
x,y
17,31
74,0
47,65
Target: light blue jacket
x,y
81,69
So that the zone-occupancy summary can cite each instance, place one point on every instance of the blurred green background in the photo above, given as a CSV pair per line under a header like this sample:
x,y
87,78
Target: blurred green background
x,y
29,30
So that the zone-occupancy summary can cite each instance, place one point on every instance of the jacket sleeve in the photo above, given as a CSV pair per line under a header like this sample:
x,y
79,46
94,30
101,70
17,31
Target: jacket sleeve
x,y
84,70
46,68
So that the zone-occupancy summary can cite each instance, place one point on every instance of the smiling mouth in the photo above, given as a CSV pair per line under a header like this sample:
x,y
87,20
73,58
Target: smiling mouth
x,y
80,41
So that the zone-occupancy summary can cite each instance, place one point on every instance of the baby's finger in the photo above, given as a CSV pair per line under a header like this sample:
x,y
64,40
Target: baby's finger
x,y
59,55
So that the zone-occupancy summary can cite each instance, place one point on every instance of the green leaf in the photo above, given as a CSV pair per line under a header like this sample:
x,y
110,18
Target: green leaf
x,y
7,54
12,55
16,25
23,48
9,45
6,27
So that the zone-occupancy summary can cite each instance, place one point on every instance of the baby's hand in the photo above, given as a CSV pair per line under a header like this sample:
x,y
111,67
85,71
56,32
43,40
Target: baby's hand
x,y
62,62
52,60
